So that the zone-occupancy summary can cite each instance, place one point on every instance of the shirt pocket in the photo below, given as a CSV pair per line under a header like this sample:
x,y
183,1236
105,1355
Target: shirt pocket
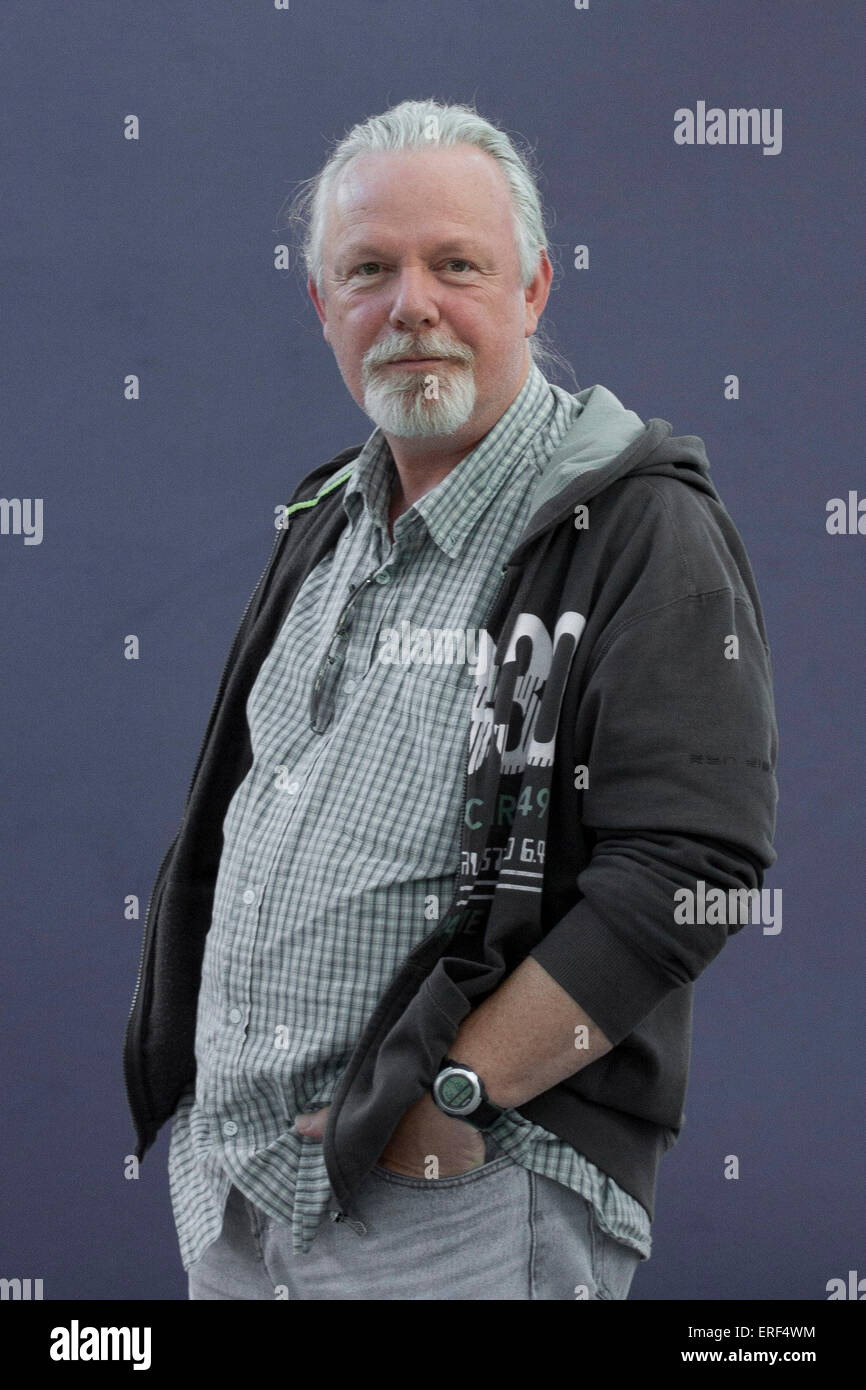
x,y
437,693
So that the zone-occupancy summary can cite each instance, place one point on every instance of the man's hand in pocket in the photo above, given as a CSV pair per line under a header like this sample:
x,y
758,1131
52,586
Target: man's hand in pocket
x,y
424,1132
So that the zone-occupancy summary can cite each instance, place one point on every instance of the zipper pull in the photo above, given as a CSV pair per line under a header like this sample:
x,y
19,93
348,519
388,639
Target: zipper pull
x,y
357,1226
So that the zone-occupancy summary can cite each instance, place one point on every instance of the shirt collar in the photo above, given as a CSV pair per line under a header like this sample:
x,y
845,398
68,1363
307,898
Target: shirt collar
x,y
452,508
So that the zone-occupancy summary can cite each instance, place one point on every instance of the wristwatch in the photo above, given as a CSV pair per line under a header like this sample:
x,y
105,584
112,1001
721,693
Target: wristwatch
x,y
459,1091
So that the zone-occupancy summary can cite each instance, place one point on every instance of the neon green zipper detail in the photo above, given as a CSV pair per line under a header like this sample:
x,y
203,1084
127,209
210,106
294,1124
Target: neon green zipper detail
x,y
323,491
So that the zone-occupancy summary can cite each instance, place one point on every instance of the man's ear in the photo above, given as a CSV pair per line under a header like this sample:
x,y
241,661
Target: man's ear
x,y
319,303
537,292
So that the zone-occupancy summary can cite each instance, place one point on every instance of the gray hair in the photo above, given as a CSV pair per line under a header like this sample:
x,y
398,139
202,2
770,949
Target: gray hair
x,y
416,125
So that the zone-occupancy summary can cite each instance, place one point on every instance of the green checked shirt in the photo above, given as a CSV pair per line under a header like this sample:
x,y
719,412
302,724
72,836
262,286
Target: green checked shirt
x,y
341,845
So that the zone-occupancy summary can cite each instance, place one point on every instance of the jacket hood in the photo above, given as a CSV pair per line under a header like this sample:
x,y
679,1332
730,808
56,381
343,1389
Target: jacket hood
x,y
607,442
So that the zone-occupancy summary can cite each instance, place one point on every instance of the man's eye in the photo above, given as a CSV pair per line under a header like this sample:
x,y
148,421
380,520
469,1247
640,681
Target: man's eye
x,y
457,261
366,265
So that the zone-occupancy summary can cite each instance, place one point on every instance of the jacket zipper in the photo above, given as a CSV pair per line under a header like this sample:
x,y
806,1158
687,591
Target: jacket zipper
x,y
281,536
340,1213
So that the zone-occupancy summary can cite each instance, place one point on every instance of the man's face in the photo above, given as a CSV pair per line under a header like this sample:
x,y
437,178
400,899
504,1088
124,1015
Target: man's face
x,y
420,260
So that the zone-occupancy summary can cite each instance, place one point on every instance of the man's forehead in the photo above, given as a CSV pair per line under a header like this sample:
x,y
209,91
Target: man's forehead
x,y
445,199
455,179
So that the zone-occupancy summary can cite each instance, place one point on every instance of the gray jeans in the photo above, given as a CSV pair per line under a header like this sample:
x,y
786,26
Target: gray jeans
x,y
496,1232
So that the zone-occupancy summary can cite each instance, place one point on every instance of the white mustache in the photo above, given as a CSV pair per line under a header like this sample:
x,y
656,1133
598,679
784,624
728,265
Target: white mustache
x,y
383,353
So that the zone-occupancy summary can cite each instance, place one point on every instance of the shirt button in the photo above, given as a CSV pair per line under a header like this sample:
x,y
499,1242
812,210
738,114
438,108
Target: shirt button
x,y
350,685
249,896
230,1129
235,1015
292,788
383,577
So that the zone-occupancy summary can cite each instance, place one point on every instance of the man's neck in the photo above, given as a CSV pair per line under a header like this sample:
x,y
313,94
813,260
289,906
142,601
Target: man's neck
x,y
418,472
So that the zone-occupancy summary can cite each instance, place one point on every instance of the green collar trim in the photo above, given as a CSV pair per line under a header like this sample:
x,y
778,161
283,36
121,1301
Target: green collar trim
x,y
323,491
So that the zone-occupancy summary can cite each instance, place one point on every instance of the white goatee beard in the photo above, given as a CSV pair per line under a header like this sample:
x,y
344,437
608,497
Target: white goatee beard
x,y
396,402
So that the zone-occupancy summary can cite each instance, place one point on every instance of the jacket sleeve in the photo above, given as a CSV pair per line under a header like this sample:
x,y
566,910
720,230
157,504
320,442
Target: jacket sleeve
x,y
679,738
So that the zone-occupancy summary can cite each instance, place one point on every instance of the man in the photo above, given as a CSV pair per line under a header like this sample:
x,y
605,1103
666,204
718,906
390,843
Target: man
x,y
413,961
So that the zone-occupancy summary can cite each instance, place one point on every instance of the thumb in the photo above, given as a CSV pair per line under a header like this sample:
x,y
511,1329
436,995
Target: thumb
x,y
313,1124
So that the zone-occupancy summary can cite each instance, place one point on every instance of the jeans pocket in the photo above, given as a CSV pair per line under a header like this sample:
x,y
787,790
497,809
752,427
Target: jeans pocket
x,y
452,1182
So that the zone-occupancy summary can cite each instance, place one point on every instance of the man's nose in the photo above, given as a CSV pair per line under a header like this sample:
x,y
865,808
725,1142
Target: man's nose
x,y
414,304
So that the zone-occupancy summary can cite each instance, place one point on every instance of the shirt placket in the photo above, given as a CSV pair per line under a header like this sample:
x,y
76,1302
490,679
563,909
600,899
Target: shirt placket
x,y
268,817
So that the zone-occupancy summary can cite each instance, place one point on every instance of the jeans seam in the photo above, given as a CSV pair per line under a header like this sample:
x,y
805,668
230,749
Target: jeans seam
x,y
533,1245
596,1253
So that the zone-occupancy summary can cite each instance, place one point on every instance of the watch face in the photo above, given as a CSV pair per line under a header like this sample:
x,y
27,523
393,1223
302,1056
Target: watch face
x,y
458,1091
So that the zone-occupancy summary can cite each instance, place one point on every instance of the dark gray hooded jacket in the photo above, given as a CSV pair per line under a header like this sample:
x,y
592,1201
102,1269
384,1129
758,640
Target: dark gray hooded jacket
x,y
621,747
